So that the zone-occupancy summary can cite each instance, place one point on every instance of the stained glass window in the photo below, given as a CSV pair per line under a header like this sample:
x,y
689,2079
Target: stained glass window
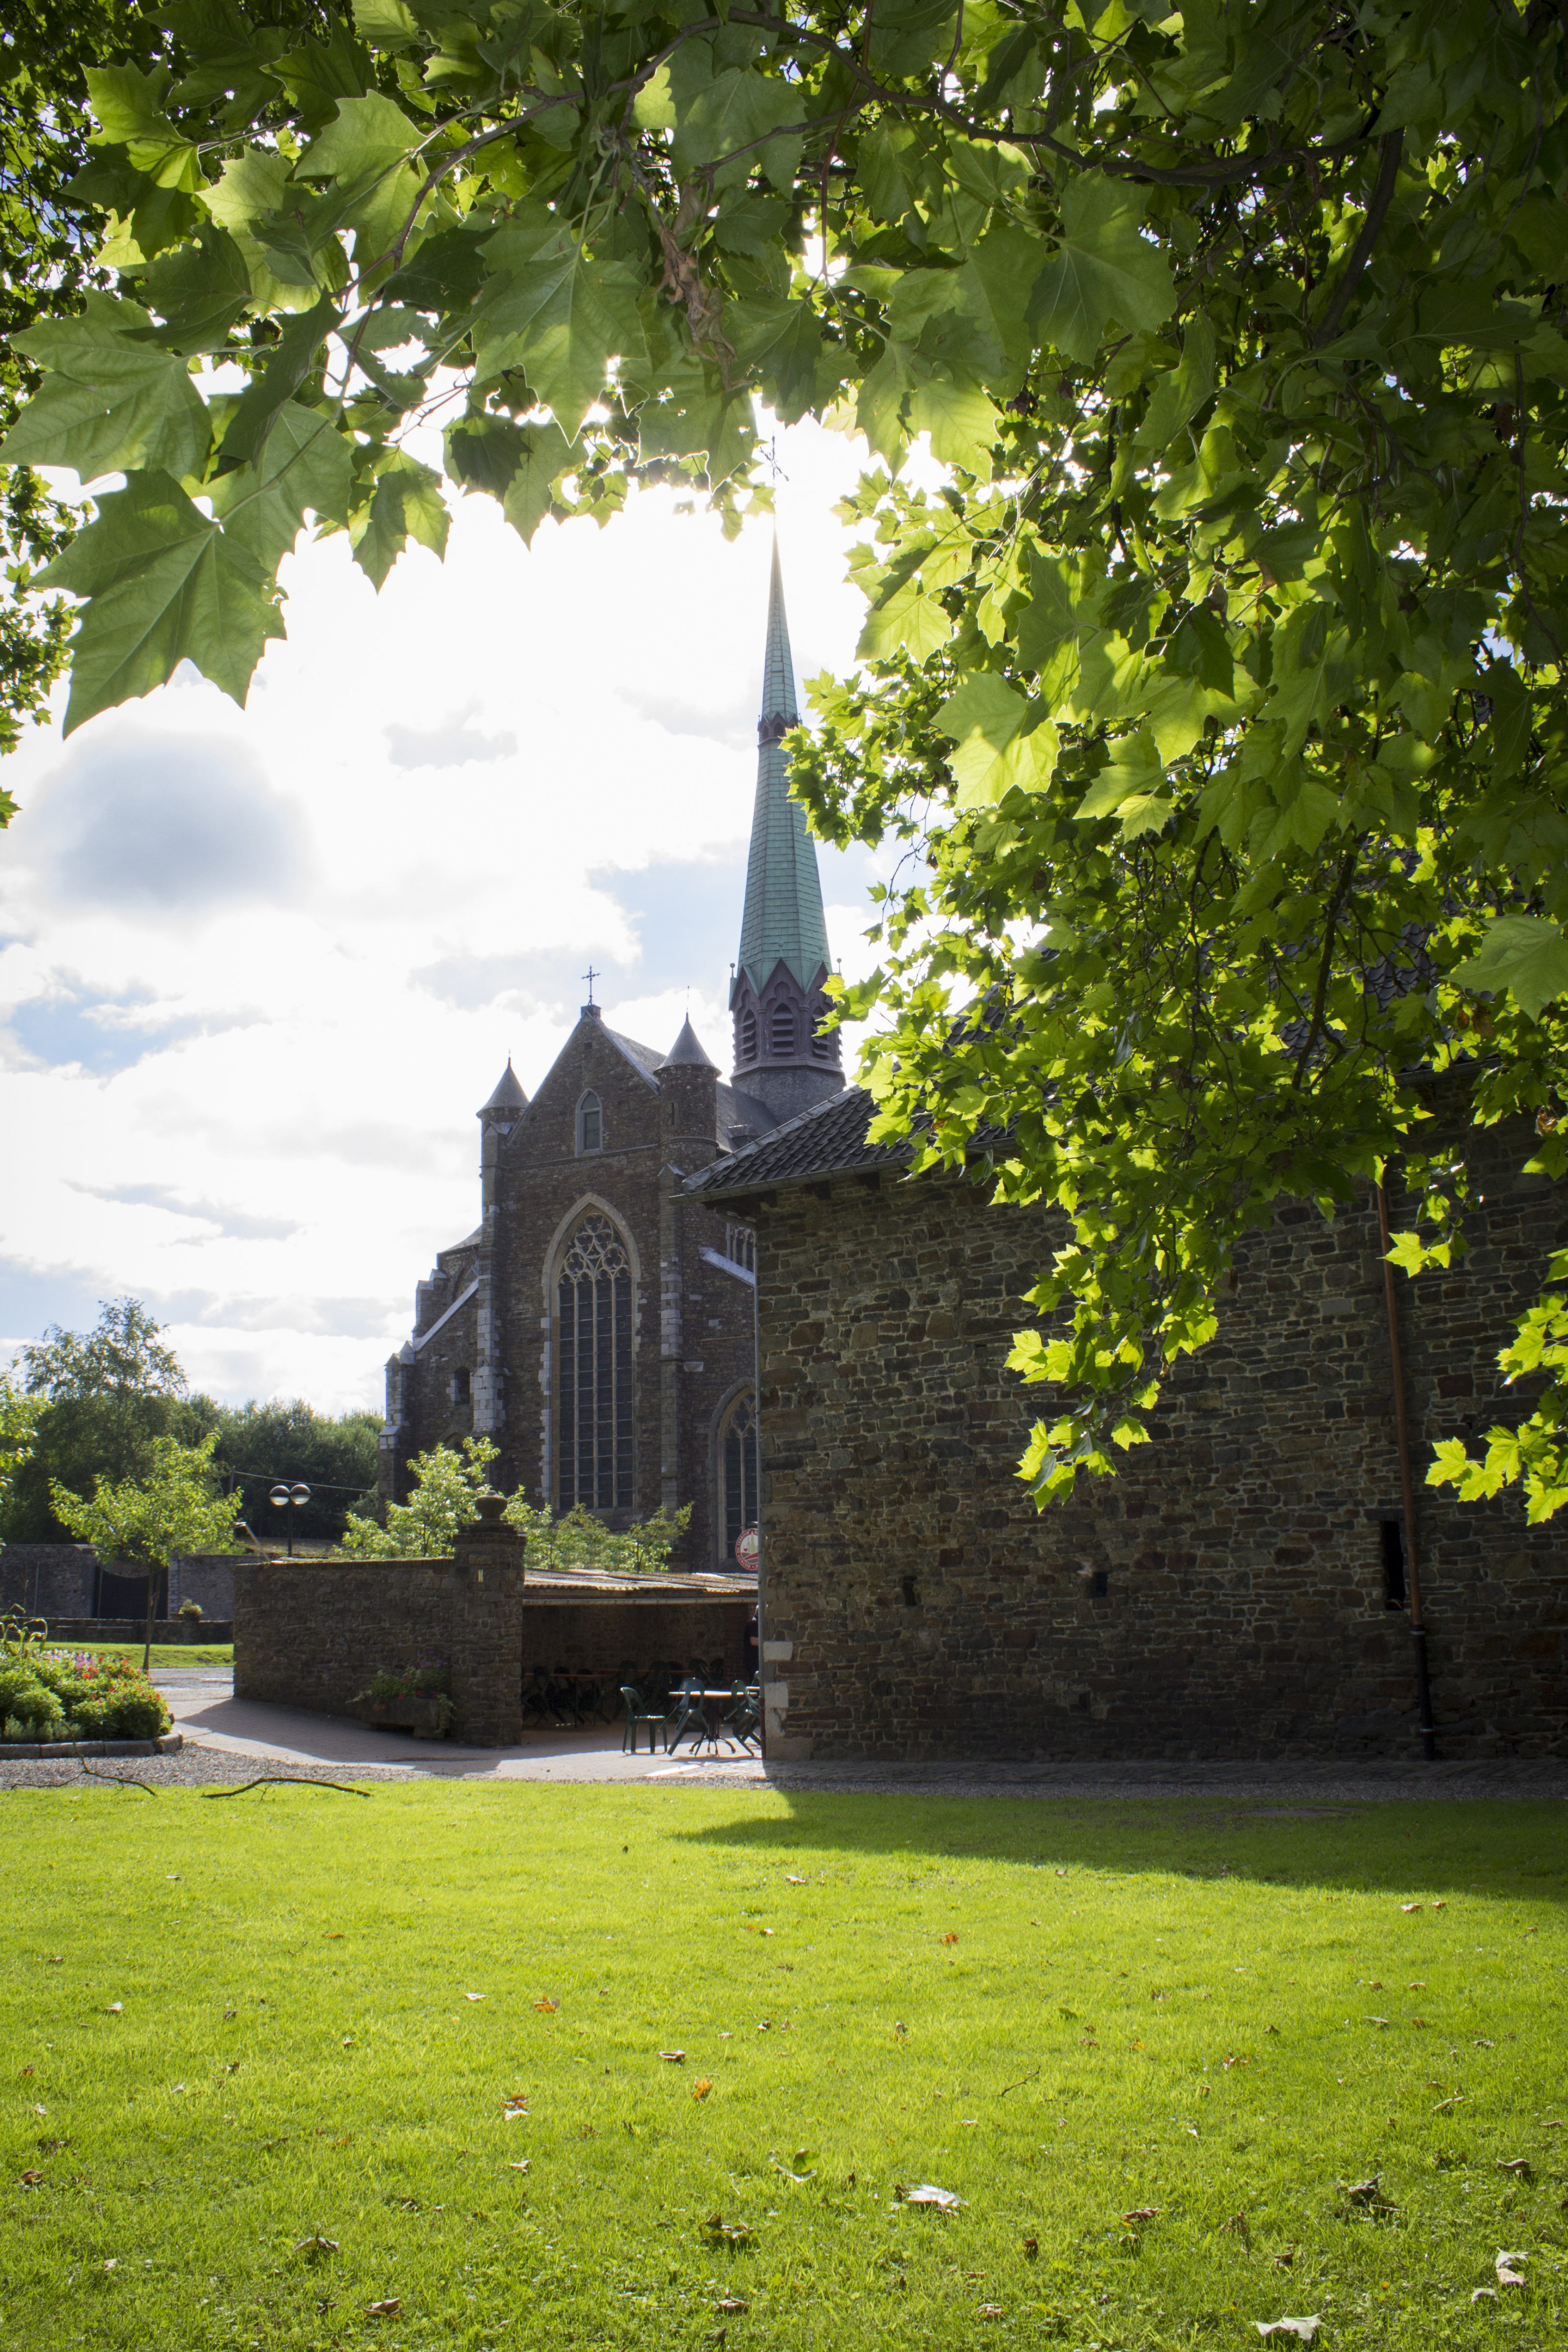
x,y
594,1382
739,1457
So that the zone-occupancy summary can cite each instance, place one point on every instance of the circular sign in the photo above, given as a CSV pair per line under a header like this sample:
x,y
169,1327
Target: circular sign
x,y
748,1547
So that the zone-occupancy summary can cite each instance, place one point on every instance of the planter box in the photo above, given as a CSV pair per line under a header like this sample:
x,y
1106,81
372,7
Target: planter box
x,y
422,1716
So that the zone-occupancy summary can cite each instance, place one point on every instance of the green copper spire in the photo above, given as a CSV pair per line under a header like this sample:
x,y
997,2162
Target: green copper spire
x,y
783,918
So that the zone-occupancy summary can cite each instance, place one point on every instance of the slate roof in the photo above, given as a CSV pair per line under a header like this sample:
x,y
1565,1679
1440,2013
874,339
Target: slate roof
x,y
644,1058
509,1094
686,1053
828,1140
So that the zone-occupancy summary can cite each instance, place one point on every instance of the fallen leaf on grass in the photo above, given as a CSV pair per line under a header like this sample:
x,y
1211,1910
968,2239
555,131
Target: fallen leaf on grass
x,y
314,2248
1552,2123
479,1996
114,2009
990,2311
736,2302
1457,2101
1484,2294
1367,2192
1303,2329
790,1880
54,1961
1518,2164
1370,2021
700,2088
389,2309
1416,1984
1031,2250
516,2105
31,2180
1284,2258
546,2004
519,2163
950,1936
672,2057
928,2194
1439,1904
40,2111
727,2234
1410,1906
1140,2213
333,1935
111,2262
1507,2275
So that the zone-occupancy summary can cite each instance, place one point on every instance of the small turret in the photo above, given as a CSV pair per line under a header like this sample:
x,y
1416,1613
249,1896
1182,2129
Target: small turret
x,y
688,1092
507,1102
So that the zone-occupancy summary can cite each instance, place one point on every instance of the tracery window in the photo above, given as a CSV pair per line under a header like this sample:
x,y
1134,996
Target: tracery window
x,y
740,1245
739,1465
590,1124
593,1381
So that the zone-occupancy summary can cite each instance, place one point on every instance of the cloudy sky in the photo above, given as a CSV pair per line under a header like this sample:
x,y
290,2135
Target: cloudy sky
x,y
258,969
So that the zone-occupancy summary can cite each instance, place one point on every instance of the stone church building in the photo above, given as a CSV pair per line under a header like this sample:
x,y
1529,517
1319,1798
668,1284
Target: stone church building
x,y
598,1325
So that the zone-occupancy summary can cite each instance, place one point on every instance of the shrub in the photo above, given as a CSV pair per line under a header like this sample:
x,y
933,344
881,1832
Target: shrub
x,y
29,1708
191,1608
51,1695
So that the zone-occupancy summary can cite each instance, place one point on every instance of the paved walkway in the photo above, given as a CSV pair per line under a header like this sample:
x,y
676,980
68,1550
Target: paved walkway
x,y
233,1740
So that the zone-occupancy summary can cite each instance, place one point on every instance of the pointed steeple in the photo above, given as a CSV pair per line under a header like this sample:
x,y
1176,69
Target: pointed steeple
x,y
782,921
782,1058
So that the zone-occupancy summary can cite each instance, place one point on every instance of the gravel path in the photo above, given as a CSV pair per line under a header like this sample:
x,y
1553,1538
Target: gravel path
x,y
1271,1786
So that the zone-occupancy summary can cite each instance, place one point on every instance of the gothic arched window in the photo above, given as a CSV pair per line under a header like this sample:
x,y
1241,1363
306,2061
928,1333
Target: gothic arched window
x,y
590,1124
738,1466
781,1029
593,1384
748,1037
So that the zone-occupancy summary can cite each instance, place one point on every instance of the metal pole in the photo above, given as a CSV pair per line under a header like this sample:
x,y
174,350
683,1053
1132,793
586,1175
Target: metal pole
x,y
1407,1493
757,1441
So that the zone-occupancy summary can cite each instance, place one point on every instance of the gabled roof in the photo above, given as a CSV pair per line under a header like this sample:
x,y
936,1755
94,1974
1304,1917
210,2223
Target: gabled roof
x,y
644,1059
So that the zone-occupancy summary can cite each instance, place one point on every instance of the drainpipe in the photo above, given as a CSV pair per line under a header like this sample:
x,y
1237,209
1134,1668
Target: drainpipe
x,y
1407,1493
762,1539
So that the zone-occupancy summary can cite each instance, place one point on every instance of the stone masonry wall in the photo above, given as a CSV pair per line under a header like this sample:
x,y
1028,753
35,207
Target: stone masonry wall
x,y
313,1636
1224,1596
617,1640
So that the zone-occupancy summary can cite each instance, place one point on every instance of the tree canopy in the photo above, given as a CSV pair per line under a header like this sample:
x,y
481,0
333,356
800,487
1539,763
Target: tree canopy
x,y
173,1509
1218,689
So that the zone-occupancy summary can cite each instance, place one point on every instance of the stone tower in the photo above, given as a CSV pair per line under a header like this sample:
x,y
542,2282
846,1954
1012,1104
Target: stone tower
x,y
776,999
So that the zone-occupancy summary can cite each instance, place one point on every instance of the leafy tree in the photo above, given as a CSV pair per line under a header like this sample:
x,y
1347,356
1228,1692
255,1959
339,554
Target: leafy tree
x,y
1220,689
18,1426
448,1486
100,1399
335,1455
175,1508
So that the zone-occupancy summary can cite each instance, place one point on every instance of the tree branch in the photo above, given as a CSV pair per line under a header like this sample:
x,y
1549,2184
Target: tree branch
x,y
1392,146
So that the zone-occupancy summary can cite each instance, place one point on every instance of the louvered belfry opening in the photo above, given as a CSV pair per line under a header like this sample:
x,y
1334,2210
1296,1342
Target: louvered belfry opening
x,y
594,1390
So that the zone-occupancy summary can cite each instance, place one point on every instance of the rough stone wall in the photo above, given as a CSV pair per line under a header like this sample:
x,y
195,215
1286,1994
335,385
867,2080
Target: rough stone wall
x,y
313,1636
47,1580
1226,1595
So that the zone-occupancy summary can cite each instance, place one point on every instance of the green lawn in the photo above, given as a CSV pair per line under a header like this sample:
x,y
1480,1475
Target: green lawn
x,y
258,2033
164,1654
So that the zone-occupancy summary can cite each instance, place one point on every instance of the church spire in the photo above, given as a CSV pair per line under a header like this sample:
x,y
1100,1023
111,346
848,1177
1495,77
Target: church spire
x,y
776,997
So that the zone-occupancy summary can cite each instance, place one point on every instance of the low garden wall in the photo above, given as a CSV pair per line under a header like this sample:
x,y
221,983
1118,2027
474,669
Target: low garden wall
x,y
135,1629
314,1635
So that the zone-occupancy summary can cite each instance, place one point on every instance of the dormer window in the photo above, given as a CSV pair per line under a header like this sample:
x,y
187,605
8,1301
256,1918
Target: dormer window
x,y
590,1124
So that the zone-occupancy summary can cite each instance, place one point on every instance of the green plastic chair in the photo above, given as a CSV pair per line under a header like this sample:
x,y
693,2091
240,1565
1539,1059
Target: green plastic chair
x,y
636,1714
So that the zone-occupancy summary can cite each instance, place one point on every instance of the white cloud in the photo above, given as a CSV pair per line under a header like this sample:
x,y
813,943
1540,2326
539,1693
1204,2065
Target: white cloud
x,y
257,970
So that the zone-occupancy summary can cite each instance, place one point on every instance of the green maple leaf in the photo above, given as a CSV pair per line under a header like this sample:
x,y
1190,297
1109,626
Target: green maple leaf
x,y
561,318
545,454
366,136
106,404
1524,954
406,504
984,719
199,289
1102,269
165,584
304,465
732,111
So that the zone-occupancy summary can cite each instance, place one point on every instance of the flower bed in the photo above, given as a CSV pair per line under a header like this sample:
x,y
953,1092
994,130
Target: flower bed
x,y
58,1694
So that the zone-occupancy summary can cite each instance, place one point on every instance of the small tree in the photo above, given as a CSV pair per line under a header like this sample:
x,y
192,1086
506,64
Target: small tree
x,y
448,1486
173,1509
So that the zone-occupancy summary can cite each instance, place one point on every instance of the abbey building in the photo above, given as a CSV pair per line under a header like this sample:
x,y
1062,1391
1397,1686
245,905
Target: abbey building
x,y
599,1324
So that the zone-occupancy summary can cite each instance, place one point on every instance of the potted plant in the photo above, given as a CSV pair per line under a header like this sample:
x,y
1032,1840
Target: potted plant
x,y
418,1699
190,1614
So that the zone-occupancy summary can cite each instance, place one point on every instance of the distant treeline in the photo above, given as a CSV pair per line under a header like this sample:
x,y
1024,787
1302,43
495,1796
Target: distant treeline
x,y
103,1396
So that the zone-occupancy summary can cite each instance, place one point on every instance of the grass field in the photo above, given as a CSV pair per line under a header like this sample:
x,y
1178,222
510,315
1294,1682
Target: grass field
x,y
1152,2047
164,1654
